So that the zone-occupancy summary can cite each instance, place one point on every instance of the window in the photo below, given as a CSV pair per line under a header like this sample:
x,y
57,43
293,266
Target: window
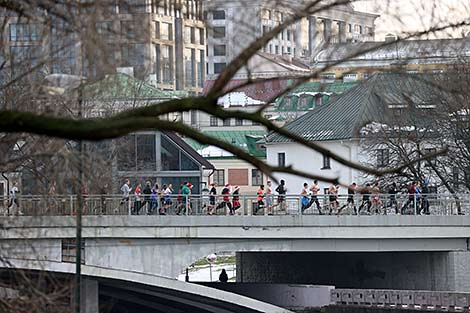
x,y
276,49
201,36
200,66
326,162
190,67
266,14
218,15
146,154
189,34
158,63
256,177
382,157
129,29
105,29
279,17
288,34
328,77
238,122
219,177
170,155
281,159
227,122
193,118
136,152
23,58
219,67
167,64
133,54
132,6
214,121
455,177
166,31
24,32
350,77
69,251
64,59
350,28
219,50
219,32
238,176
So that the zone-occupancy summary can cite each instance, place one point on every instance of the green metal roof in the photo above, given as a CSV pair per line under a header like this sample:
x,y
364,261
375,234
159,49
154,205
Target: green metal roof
x,y
124,87
244,139
370,101
308,91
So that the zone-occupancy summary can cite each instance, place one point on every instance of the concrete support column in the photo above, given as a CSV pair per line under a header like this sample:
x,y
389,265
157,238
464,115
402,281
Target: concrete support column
x,y
90,296
312,34
342,31
327,30
179,54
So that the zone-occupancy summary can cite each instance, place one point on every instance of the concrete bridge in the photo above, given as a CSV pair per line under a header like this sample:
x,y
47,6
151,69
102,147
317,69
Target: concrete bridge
x,y
398,252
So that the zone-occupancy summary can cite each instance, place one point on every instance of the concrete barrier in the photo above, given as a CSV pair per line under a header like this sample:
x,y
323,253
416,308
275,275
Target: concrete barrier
x,y
410,299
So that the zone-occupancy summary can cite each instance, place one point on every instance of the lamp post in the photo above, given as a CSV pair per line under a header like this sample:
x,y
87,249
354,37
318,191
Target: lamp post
x,y
211,258
60,83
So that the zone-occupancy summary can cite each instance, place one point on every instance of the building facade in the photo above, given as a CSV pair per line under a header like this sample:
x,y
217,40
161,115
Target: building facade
x,y
161,42
233,25
412,56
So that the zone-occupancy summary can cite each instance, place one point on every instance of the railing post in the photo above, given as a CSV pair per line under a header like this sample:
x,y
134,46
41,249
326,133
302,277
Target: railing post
x,y
243,208
186,201
71,205
129,212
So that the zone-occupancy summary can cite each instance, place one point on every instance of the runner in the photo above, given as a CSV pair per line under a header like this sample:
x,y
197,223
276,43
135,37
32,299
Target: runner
x,y
281,191
333,198
314,199
235,200
304,200
259,198
269,198
350,200
376,201
365,191
212,199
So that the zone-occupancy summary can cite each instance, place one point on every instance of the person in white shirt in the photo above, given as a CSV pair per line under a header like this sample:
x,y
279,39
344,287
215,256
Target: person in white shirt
x,y
125,191
14,199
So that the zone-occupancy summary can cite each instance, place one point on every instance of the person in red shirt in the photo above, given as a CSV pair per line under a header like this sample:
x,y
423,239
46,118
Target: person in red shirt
x,y
226,198
138,201
259,198
235,200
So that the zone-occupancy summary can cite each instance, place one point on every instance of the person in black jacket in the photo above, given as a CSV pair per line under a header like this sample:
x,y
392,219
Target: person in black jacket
x,y
147,192
223,277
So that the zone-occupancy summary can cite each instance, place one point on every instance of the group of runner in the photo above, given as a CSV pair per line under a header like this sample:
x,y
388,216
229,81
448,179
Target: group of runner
x,y
155,199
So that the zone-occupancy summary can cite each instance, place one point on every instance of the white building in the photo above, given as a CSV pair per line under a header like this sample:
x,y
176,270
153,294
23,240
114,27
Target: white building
x,y
338,126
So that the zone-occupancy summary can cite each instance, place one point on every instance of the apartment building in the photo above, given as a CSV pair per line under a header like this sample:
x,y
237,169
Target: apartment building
x,y
159,41
232,25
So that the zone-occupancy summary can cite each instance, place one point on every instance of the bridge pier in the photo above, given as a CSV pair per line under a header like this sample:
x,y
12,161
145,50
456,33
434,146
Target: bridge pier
x,y
424,270
89,296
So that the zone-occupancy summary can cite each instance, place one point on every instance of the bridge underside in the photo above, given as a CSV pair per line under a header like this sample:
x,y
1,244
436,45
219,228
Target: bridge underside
x,y
115,291
123,297
424,270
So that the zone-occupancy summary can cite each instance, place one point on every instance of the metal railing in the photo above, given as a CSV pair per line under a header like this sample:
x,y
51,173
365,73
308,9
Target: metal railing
x,y
403,299
383,204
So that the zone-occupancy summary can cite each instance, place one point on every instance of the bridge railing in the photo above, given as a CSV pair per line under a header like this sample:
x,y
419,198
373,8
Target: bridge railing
x,y
196,204
410,299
